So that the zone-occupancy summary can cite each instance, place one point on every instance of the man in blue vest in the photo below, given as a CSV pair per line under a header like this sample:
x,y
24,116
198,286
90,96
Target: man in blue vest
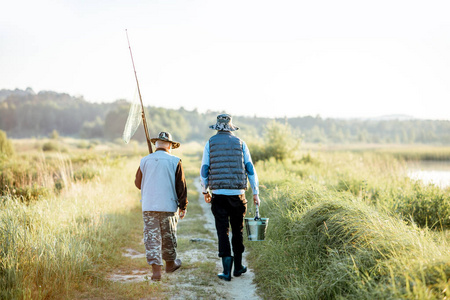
x,y
226,166
160,178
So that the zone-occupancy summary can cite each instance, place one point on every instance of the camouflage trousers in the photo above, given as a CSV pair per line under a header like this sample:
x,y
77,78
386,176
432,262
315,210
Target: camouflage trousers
x,y
160,236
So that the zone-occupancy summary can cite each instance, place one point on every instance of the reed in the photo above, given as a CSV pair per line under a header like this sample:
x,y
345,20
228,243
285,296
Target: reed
x,y
417,152
337,230
344,249
343,225
64,242
30,178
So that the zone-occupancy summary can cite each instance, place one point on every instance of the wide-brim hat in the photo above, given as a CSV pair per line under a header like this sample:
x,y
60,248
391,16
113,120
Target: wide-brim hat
x,y
224,123
166,137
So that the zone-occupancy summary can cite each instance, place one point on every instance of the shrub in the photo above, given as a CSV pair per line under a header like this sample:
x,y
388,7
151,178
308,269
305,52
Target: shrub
x,y
31,193
258,151
345,249
427,206
33,178
85,173
54,135
50,146
280,142
337,230
6,147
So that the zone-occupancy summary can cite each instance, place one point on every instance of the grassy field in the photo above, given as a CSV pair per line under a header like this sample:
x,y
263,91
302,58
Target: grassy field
x,y
351,225
65,218
67,238
346,224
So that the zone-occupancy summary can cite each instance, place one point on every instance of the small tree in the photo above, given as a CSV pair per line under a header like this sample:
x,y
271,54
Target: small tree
x,y
281,142
6,147
258,151
54,135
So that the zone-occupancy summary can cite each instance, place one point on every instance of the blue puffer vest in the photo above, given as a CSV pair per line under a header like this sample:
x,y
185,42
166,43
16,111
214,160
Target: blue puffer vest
x,y
227,170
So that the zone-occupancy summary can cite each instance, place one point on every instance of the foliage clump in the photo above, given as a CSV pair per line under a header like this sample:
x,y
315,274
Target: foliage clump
x,y
26,114
50,146
6,147
346,249
425,205
349,225
280,142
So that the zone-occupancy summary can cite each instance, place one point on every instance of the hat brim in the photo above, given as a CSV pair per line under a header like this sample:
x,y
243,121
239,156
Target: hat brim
x,y
227,127
174,144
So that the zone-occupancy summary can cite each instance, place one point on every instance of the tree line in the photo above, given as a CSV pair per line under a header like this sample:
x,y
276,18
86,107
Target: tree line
x,y
25,114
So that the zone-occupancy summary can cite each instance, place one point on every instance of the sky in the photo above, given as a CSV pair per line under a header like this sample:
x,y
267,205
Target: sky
x,y
283,58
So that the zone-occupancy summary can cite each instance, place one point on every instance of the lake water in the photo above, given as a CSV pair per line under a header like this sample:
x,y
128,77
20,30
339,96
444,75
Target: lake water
x,y
436,172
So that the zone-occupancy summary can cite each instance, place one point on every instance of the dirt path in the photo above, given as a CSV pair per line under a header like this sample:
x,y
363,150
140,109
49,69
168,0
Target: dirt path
x,y
239,287
197,277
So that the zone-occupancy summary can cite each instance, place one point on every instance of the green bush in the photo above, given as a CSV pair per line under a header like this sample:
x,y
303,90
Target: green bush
x,y
85,173
31,193
340,228
425,205
309,159
54,135
50,146
344,249
34,177
258,151
280,142
6,147
375,180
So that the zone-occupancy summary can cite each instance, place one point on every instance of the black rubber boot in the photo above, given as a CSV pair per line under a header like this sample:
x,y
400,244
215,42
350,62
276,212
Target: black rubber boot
x,y
239,268
227,263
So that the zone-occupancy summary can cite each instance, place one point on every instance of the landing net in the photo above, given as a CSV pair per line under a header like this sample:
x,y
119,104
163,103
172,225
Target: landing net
x,y
133,120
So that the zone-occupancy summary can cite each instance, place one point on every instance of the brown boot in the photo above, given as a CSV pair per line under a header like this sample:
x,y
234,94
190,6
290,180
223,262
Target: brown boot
x,y
173,265
156,272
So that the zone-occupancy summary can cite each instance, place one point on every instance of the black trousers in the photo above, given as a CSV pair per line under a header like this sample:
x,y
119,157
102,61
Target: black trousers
x,y
229,210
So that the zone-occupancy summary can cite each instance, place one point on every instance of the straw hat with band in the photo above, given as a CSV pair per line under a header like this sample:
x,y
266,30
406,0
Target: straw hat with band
x,y
224,123
166,137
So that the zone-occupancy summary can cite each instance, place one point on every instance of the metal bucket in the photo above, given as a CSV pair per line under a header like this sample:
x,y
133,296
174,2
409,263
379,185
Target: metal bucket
x,y
256,229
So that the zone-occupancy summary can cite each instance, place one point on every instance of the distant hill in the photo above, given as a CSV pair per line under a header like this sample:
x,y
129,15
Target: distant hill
x,y
6,93
24,113
393,117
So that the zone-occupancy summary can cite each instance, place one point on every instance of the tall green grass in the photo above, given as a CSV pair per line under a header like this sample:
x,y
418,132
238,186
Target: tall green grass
x,y
66,242
378,179
346,226
343,249
33,176
423,153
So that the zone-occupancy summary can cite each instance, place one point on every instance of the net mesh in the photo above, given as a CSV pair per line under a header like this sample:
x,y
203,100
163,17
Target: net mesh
x,y
133,120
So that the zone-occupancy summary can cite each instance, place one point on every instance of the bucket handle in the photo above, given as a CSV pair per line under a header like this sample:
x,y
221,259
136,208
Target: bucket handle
x,y
257,213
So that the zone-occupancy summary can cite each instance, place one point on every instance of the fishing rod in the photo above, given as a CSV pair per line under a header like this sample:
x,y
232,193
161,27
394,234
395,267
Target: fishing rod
x,y
149,144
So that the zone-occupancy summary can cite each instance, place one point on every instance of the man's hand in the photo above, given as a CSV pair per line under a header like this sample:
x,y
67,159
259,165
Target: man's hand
x,y
182,213
207,197
256,200
138,178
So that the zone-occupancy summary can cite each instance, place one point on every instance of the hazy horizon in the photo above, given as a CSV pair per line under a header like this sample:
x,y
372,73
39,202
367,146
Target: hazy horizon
x,y
381,117
346,59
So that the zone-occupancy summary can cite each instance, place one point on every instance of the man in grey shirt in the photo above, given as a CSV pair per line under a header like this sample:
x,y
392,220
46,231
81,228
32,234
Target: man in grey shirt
x,y
160,177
